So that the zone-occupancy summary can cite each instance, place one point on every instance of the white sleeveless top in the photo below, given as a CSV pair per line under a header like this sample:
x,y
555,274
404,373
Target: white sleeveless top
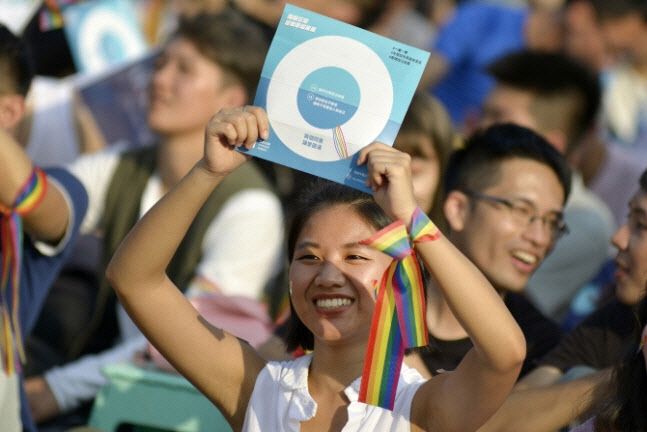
x,y
280,401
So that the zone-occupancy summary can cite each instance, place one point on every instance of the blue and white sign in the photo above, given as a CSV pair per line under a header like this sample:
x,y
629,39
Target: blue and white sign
x,y
103,33
330,89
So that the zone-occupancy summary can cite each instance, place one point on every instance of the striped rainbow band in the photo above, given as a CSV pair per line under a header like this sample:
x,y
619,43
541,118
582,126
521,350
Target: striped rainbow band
x,y
29,196
399,317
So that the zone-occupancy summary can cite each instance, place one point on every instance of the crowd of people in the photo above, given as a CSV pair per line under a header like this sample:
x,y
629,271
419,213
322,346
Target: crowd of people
x,y
517,182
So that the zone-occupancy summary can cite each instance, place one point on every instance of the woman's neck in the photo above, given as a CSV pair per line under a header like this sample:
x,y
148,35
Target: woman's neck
x,y
329,370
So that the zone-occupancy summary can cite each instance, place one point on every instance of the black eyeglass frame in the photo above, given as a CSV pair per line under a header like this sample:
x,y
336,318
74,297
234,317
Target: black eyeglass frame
x,y
562,229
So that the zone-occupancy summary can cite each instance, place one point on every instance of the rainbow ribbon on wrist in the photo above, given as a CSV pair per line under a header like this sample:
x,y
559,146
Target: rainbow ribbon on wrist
x,y
29,196
399,318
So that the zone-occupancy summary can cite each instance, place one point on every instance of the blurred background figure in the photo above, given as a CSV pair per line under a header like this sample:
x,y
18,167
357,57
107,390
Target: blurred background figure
x,y
209,63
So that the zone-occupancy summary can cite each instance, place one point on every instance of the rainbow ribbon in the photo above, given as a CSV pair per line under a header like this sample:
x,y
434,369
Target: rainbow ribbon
x,y
51,16
340,142
29,196
399,318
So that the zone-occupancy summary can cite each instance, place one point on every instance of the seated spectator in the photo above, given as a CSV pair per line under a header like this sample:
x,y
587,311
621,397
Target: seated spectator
x,y
559,98
541,402
40,215
625,408
476,34
598,341
428,136
504,194
211,62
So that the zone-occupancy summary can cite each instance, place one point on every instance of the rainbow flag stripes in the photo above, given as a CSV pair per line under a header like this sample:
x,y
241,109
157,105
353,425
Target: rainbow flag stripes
x,y
422,228
340,142
51,16
383,356
28,198
399,318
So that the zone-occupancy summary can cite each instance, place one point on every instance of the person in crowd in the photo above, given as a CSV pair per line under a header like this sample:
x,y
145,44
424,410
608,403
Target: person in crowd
x,y
211,62
599,340
549,397
625,408
559,98
504,194
428,136
474,35
331,275
40,215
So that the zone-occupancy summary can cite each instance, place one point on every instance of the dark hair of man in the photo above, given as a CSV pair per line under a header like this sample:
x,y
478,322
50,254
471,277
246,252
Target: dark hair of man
x,y
231,41
567,93
476,165
16,67
626,409
322,194
372,11
612,9
643,181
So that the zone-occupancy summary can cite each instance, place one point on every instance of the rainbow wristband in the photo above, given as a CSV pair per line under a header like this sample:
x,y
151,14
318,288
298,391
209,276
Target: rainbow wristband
x,y
29,196
422,228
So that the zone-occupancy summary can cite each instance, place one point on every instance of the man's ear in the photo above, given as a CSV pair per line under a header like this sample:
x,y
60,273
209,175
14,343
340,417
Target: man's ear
x,y
234,95
558,140
12,110
456,209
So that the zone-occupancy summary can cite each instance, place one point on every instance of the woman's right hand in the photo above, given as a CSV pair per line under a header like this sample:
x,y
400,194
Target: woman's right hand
x,y
389,176
231,128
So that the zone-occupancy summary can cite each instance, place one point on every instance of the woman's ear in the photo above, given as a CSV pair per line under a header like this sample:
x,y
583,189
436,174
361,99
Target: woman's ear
x,y
12,110
456,209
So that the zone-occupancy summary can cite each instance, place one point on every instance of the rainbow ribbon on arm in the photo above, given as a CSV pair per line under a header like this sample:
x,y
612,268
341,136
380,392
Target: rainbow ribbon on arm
x,y
29,196
399,318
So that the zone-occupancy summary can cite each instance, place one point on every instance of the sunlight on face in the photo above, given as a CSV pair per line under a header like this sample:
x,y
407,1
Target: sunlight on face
x,y
505,251
186,89
333,276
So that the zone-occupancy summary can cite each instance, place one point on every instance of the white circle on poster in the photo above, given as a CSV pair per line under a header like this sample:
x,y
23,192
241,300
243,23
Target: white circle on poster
x,y
328,107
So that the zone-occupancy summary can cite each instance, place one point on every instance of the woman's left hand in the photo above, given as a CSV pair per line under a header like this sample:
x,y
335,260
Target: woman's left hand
x,y
389,176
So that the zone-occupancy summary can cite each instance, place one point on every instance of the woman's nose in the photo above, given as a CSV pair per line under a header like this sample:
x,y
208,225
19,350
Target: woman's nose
x,y
330,275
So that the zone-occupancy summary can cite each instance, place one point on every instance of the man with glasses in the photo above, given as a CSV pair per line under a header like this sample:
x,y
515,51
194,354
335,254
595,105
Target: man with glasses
x,y
558,98
547,398
503,203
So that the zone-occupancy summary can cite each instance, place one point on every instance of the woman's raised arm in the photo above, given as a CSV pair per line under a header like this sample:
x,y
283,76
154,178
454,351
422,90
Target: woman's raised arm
x,y
465,398
220,365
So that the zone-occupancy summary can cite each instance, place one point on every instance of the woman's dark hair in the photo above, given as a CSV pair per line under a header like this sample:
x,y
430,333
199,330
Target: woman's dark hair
x,y
626,409
319,195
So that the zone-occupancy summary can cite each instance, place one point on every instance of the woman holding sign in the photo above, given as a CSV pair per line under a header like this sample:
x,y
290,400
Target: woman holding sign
x,y
355,306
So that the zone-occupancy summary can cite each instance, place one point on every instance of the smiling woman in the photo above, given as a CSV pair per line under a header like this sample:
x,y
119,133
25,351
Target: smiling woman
x,y
333,272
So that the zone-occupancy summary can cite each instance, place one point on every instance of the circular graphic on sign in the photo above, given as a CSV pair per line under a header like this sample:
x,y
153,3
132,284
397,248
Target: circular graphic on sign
x,y
105,38
328,107
323,107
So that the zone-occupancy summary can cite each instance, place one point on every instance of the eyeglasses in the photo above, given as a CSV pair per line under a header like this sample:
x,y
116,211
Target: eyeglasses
x,y
524,214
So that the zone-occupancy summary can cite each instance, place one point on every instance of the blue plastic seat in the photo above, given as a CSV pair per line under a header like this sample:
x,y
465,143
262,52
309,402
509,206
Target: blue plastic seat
x,y
152,400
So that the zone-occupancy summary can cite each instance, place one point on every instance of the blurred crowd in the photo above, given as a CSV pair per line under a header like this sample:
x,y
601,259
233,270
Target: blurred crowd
x,y
572,71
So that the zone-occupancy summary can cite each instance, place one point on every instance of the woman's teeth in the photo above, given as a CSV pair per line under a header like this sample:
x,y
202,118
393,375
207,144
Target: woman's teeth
x,y
333,303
